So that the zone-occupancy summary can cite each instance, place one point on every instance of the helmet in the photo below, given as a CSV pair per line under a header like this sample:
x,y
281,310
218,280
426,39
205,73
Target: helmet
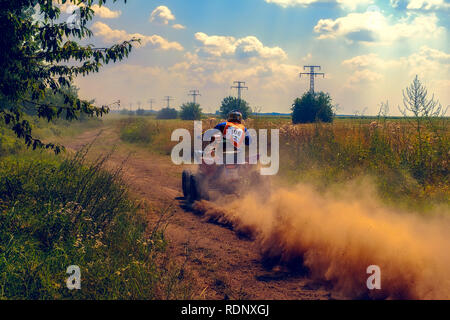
x,y
235,116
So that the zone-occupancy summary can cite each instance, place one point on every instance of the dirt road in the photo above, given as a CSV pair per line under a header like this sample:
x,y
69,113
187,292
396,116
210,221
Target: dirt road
x,y
222,264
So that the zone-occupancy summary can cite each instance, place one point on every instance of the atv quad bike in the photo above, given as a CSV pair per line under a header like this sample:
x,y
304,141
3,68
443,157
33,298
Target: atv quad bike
x,y
211,181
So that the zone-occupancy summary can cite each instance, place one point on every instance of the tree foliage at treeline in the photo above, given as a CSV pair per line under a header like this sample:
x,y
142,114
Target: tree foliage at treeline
x,y
191,111
312,107
41,55
56,99
167,113
230,104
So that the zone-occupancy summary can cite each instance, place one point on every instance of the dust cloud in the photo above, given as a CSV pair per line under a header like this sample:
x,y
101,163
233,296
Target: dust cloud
x,y
337,235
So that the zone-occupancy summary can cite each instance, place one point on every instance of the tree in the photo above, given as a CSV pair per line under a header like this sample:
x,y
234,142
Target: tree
x,y
191,111
312,107
51,98
41,55
167,113
231,104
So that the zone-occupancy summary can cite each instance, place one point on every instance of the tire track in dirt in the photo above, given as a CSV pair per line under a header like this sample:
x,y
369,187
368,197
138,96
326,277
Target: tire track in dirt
x,y
222,264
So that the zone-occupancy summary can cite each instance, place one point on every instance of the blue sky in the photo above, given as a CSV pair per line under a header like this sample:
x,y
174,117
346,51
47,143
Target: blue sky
x,y
370,50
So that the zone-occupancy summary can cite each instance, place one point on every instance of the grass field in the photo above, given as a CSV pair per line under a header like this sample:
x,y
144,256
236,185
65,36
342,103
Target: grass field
x,y
410,167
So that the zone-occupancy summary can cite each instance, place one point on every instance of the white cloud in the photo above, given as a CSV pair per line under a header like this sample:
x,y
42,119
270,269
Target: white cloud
x,y
100,11
352,4
362,69
105,12
364,76
422,4
113,35
241,49
426,62
178,26
219,60
215,45
425,58
374,27
162,15
427,4
364,61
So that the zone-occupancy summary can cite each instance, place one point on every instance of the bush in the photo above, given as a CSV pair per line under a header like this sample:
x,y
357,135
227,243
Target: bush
x,y
312,107
231,104
138,130
167,113
191,111
56,213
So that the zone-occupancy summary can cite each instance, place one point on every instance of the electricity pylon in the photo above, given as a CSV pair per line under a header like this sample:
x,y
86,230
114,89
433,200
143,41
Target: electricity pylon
x,y
168,99
312,75
194,94
240,86
150,101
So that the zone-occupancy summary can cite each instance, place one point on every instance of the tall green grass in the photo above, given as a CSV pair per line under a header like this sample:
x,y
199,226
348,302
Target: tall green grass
x,y
58,212
59,128
8,143
152,134
406,167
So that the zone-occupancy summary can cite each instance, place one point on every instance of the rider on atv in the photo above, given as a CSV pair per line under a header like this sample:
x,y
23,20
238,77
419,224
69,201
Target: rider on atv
x,y
225,177
234,131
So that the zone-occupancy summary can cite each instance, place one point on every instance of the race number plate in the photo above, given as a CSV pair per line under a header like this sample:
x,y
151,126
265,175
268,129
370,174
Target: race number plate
x,y
235,134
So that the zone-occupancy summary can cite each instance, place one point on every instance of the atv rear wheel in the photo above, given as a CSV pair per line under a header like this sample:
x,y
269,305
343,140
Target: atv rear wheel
x,y
198,190
186,184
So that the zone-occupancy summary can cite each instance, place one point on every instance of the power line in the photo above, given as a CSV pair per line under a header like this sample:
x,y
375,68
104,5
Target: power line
x,y
194,94
239,87
168,99
312,75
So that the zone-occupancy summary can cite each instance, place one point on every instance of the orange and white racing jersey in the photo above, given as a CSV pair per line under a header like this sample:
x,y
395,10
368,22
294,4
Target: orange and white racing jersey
x,y
233,132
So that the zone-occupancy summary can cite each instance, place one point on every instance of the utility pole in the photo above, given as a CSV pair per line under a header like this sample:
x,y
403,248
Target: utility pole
x,y
194,94
312,75
239,86
168,99
151,103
